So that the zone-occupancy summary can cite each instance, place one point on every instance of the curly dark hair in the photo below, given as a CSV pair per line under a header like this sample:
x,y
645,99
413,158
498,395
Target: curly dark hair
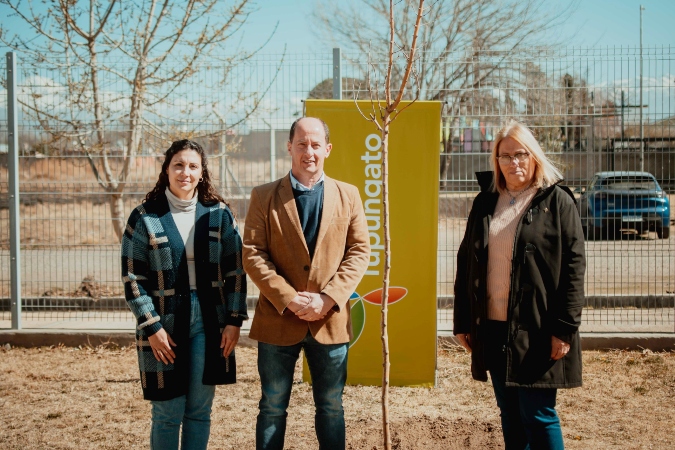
x,y
205,190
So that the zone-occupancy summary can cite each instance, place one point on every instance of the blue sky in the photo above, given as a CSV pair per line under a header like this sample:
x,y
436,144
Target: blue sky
x,y
617,22
595,22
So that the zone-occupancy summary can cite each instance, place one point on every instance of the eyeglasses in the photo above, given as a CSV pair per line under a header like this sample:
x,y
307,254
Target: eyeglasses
x,y
505,160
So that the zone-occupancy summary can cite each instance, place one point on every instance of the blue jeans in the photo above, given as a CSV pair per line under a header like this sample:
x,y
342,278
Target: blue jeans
x,y
328,367
529,419
192,410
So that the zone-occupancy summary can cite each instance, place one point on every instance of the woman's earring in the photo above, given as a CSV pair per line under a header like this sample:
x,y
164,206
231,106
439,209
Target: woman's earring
x,y
201,179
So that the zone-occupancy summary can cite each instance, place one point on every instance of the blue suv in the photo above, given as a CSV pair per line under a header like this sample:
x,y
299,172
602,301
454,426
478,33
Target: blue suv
x,y
615,201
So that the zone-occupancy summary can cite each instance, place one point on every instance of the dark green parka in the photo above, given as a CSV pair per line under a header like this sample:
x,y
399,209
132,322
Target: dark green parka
x,y
547,287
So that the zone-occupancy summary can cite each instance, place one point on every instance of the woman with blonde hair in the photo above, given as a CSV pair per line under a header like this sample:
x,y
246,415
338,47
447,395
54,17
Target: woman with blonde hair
x,y
519,288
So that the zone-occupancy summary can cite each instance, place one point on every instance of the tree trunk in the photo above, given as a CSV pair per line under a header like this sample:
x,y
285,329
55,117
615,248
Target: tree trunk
x,y
133,143
386,114
445,158
385,287
117,214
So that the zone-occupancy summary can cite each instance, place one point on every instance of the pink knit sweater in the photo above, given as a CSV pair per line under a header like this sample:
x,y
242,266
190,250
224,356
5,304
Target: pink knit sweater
x,y
500,251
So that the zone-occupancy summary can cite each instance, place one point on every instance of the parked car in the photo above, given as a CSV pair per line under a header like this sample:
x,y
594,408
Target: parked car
x,y
616,201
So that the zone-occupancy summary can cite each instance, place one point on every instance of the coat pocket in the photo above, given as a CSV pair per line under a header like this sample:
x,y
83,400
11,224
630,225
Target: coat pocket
x,y
526,312
531,362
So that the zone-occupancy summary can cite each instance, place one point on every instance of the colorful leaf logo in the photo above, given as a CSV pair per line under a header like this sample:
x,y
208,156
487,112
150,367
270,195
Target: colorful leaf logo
x,y
396,293
358,313
358,309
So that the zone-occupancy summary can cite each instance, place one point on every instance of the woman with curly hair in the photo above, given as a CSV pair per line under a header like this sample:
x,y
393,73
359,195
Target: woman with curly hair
x,y
184,282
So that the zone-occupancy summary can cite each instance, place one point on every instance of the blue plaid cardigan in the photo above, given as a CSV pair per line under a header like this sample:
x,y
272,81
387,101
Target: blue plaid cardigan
x,y
157,289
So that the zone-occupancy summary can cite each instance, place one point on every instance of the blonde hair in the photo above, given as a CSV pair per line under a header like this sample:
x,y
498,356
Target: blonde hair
x,y
545,172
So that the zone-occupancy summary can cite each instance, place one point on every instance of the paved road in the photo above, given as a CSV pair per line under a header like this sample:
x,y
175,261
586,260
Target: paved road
x,y
657,320
640,265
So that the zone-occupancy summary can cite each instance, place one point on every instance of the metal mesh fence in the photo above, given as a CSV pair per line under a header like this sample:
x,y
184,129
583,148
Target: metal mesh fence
x,y
583,104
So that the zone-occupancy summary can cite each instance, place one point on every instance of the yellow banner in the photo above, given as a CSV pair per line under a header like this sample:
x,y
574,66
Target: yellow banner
x,y
413,189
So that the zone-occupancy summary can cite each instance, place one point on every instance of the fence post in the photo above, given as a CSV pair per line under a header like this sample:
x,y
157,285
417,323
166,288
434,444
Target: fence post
x,y
13,172
337,74
224,182
273,151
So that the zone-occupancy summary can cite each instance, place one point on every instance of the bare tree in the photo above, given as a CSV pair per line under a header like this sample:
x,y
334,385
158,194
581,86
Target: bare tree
x,y
144,50
402,58
462,47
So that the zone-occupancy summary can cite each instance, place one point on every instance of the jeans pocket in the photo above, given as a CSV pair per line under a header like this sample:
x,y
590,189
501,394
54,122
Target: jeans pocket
x,y
196,324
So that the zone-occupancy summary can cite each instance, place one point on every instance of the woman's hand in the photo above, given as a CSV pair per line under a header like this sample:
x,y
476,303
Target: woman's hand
x,y
465,340
161,344
559,348
229,339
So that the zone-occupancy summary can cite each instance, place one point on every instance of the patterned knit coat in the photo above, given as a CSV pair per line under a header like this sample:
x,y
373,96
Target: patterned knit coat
x,y
157,289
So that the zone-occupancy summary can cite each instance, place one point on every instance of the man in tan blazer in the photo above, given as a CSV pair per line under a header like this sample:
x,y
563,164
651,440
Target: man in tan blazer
x,y
306,247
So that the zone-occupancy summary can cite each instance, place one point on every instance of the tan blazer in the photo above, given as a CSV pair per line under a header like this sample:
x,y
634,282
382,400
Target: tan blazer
x,y
276,258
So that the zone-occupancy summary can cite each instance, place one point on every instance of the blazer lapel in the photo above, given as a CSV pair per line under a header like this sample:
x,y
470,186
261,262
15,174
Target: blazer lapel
x,y
288,200
330,195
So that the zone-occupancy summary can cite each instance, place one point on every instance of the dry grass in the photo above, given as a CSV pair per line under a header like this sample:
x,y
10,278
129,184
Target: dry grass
x,y
70,398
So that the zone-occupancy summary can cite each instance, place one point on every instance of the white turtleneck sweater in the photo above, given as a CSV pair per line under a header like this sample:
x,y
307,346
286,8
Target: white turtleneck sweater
x,y
183,213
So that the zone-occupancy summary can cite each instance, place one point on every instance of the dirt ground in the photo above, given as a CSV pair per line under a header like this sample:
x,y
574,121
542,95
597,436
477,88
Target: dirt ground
x,y
81,398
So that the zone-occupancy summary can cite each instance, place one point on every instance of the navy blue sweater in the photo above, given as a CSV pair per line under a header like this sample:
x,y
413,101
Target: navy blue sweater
x,y
310,206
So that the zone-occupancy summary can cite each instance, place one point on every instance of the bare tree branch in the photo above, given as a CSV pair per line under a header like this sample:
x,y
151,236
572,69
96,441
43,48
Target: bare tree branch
x,y
159,44
387,113
410,62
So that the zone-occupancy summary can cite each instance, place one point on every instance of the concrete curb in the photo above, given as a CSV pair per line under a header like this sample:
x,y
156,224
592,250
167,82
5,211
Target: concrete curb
x,y
600,301
40,338
46,303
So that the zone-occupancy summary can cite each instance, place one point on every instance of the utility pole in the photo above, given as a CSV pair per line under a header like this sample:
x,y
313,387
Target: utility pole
x,y
623,105
642,128
624,145
592,146
273,151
